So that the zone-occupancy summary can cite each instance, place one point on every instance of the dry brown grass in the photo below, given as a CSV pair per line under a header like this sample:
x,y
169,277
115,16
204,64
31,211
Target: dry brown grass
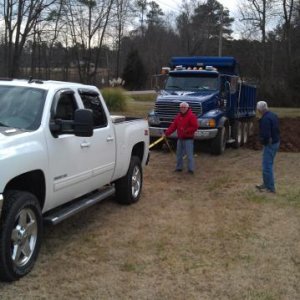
x,y
207,236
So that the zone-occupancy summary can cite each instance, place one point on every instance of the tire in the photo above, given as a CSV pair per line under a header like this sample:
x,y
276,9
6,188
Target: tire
x,y
251,128
21,230
129,187
237,134
218,144
245,134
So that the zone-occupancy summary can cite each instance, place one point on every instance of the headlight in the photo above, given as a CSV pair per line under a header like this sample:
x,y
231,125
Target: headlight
x,y
211,123
153,120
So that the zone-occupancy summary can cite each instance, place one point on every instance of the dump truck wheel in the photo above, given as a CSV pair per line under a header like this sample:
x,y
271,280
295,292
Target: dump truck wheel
x,y
218,144
245,133
237,134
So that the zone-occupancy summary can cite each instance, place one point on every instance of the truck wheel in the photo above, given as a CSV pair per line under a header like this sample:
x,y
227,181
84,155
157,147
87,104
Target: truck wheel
x,y
245,133
129,187
237,134
20,234
251,129
218,144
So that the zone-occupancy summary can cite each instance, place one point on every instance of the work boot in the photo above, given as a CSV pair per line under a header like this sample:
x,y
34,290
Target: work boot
x,y
261,187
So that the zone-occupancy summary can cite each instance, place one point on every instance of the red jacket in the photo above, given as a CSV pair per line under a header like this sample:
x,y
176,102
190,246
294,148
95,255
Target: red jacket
x,y
185,124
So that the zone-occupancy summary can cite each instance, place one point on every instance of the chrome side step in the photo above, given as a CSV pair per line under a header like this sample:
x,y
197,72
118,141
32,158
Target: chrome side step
x,y
68,210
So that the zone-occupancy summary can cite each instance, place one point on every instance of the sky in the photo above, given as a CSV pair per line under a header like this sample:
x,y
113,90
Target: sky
x,y
173,5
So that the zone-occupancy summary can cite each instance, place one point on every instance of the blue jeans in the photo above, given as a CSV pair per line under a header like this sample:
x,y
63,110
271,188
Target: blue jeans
x,y
185,147
269,153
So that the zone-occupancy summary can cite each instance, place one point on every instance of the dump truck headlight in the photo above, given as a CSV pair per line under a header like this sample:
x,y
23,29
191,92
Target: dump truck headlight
x,y
153,120
211,123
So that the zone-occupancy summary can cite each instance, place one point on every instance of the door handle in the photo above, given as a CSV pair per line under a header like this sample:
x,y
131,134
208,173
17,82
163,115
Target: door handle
x,y
109,139
85,145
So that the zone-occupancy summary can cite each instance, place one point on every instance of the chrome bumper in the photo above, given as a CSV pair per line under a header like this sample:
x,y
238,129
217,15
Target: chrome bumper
x,y
1,203
200,134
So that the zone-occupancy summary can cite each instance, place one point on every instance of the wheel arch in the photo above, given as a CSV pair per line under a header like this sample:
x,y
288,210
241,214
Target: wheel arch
x,y
138,150
223,122
32,182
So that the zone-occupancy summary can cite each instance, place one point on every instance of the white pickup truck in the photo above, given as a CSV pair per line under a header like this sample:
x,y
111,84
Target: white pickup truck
x,y
60,152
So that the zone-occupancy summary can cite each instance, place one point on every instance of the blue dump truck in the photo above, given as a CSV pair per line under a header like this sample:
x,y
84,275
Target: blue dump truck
x,y
223,103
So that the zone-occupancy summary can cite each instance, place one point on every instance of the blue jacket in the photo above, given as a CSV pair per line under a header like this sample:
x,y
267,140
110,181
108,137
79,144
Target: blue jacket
x,y
269,128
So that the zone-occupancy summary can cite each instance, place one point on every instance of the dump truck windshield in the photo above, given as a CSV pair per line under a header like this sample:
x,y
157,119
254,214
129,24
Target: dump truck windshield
x,y
192,82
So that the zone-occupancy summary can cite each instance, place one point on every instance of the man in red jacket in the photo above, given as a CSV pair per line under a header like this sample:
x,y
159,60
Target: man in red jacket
x,y
186,124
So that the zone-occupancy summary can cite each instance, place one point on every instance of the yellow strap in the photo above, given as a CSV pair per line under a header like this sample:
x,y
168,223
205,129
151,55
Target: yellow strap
x,y
163,138
156,142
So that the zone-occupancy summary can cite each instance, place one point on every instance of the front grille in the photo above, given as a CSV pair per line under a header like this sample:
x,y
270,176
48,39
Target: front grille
x,y
167,110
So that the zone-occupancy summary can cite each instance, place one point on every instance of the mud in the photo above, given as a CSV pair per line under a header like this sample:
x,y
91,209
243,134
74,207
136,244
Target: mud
x,y
289,132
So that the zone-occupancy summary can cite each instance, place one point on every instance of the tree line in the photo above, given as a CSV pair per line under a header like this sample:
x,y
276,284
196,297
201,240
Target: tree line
x,y
94,41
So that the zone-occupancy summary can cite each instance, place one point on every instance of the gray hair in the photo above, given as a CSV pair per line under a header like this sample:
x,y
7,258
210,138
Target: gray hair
x,y
184,104
262,106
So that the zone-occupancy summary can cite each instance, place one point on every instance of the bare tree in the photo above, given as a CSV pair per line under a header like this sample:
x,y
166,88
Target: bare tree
x,y
20,17
257,14
88,21
183,22
45,35
288,13
124,11
142,5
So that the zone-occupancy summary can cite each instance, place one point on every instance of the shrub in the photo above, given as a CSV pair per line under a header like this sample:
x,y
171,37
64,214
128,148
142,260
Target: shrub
x,y
115,99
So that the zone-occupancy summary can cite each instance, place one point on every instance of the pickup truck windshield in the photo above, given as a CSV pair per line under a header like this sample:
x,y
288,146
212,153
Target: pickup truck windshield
x,y
21,107
192,82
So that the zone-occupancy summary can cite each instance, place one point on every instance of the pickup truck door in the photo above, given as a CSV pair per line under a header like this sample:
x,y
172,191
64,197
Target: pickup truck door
x,y
77,165
102,145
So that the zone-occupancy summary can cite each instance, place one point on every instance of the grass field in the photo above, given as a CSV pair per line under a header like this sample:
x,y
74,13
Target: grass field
x,y
207,236
141,104
284,112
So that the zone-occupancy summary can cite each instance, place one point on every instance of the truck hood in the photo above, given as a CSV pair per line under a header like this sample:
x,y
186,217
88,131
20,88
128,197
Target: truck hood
x,y
8,134
200,96
9,131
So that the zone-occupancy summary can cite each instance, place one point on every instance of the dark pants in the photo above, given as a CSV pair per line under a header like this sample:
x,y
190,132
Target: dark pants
x,y
269,153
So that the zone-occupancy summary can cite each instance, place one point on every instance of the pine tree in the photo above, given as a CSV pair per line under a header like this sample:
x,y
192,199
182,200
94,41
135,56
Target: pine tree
x,y
134,73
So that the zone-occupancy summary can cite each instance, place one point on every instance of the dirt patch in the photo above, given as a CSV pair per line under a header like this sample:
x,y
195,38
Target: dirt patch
x,y
289,132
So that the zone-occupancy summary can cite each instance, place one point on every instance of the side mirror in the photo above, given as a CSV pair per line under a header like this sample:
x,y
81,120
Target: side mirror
x,y
227,86
83,122
82,125
225,90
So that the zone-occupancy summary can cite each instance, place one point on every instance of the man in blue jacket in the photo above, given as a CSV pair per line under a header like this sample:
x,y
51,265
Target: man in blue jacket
x,y
269,135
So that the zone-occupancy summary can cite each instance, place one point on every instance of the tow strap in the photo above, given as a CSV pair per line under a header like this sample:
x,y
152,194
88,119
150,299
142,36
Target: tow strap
x,y
163,138
156,142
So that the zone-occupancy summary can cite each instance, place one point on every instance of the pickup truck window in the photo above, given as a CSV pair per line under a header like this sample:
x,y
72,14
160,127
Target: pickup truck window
x,y
21,107
93,102
66,107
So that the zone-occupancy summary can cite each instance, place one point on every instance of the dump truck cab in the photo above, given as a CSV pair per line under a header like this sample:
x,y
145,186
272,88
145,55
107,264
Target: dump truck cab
x,y
223,104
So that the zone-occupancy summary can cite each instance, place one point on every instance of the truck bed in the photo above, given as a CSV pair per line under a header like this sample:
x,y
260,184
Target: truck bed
x,y
120,119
